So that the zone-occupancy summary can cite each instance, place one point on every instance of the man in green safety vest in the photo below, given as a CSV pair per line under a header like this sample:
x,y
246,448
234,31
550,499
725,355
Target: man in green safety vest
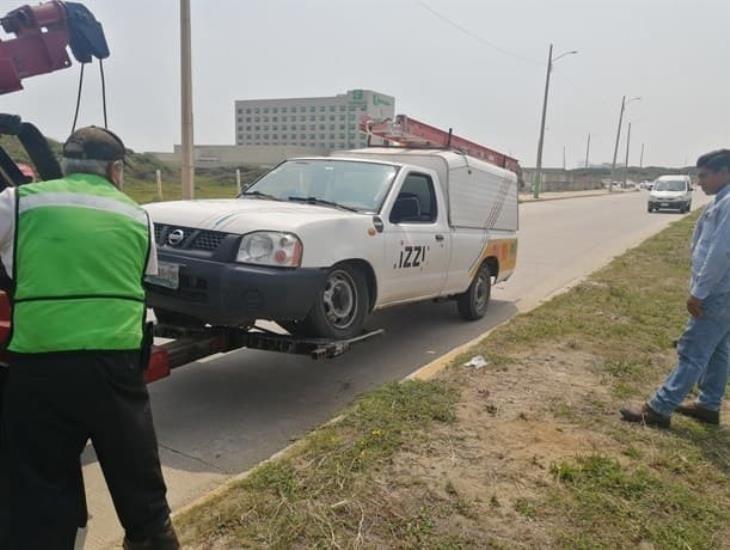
x,y
77,250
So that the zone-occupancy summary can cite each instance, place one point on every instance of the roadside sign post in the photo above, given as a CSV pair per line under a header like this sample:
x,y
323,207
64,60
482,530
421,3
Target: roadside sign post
x,y
158,175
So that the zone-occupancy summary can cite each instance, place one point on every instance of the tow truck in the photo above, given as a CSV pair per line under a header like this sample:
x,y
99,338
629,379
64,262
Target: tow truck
x,y
42,35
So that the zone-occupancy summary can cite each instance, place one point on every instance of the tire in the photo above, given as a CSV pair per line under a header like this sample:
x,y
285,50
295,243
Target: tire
x,y
650,209
473,304
341,307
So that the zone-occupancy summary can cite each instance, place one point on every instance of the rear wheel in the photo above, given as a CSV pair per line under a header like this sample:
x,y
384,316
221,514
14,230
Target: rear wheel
x,y
474,302
341,307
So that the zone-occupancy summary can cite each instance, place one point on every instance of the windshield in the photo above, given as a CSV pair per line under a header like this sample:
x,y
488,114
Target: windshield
x,y
359,185
670,185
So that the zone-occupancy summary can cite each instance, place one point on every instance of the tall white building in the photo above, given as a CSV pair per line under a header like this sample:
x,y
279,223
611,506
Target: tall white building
x,y
324,123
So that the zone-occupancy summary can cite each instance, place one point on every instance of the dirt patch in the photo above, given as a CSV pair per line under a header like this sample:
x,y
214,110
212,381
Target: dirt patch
x,y
511,426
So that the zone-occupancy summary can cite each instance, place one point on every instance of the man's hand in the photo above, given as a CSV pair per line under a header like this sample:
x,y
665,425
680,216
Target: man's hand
x,y
694,306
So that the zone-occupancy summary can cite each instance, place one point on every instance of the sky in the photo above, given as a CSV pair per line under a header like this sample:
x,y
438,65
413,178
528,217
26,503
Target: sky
x,y
477,66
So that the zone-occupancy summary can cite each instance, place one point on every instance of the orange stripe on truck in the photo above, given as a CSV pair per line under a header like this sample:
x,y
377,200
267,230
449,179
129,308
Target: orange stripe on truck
x,y
505,250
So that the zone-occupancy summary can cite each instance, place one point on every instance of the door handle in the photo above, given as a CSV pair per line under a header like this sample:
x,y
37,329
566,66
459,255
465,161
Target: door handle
x,y
439,237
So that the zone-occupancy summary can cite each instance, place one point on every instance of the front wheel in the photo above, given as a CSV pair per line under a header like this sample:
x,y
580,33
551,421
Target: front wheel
x,y
474,302
341,307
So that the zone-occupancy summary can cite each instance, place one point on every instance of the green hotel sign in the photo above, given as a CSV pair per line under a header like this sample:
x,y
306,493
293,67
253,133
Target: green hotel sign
x,y
358,97
380,100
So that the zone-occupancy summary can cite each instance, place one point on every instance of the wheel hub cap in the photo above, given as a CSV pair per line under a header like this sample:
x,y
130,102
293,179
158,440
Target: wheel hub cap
x,y
340,299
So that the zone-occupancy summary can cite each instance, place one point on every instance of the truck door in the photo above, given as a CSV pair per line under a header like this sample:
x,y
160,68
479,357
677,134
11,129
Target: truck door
x,y
417,241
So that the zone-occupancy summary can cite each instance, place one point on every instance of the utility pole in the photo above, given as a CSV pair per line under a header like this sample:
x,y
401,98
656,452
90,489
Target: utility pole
x,y
615,148
641,159
618,137
186,96
628,144
538,168
588,150
563,158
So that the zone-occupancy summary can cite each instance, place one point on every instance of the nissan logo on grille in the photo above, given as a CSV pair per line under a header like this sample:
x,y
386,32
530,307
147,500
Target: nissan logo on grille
x,y
175,237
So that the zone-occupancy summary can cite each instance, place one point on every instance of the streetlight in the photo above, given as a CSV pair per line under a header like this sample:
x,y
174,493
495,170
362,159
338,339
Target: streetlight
x,y
538,171
624,103
186,103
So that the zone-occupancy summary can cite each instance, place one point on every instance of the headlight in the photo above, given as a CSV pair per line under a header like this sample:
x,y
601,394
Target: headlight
x,y
270,248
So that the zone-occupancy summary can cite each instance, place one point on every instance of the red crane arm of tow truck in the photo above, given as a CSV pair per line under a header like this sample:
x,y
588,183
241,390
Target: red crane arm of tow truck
x,y
409,132
42,34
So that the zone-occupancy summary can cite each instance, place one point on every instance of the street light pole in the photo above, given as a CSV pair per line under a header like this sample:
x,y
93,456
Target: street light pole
x,y
538,168
615,148
186,103
618,137
641,159
588,149
628,144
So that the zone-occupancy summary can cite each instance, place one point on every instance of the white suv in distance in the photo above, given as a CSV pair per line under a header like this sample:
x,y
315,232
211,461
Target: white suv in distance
x,y
671,193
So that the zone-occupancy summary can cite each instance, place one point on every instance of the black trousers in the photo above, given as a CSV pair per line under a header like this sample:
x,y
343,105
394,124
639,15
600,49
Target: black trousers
x,y
53,405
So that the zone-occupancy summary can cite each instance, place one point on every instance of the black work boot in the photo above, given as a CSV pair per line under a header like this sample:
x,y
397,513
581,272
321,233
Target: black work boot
x,y
164,540
694,410
646,415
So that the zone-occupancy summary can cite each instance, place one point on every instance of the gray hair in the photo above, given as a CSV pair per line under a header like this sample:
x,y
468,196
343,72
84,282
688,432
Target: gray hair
x,y
85,166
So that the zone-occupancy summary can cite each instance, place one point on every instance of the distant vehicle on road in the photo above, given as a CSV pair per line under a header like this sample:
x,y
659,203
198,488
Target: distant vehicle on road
x,y
671,193
647,184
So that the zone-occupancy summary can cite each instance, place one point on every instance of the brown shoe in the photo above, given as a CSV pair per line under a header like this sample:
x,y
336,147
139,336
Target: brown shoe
x,y
700,413
645,415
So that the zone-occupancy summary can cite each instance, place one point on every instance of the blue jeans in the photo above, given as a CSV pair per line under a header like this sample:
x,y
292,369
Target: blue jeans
x,y
703,358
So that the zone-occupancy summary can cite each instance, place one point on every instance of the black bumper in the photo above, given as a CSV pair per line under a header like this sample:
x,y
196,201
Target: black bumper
x,y
229,294
659,205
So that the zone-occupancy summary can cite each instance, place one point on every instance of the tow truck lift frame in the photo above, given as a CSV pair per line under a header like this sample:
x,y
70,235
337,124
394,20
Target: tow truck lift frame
x,y
190,345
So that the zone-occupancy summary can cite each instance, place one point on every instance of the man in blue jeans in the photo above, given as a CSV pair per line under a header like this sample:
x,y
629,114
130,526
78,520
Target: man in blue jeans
x,y
704,348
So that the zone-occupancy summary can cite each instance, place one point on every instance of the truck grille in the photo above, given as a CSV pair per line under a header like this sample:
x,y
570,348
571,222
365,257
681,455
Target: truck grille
x,y
208,240
194,239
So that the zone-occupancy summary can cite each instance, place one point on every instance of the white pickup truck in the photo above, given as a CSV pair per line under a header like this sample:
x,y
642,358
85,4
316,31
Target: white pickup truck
x,y
317,244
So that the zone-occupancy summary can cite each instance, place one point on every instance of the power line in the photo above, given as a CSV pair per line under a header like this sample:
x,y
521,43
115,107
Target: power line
x,y
474,36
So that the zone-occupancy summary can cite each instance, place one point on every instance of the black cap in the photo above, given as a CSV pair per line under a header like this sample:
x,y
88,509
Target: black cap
x,y
93,143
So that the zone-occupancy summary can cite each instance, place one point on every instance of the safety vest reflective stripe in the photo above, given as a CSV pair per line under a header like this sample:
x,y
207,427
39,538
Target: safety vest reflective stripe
x,y
82,201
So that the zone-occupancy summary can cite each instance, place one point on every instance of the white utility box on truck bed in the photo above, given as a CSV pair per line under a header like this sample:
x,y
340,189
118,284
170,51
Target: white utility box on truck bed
x,y
319,243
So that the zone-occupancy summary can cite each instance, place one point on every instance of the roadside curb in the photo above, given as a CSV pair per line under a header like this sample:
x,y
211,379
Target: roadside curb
x,y
231,481
550,199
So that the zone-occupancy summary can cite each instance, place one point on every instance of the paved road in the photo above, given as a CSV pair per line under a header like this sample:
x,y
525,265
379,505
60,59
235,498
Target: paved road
x,y
223,416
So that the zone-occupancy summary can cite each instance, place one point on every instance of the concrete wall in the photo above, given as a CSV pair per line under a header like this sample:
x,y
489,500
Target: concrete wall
x,y
563,180
231,156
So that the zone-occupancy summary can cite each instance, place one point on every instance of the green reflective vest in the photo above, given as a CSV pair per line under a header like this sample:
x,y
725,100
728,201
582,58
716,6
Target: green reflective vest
x,y
81,249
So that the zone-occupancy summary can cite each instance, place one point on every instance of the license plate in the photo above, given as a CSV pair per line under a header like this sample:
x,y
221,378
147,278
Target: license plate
x,y
665,205
168,276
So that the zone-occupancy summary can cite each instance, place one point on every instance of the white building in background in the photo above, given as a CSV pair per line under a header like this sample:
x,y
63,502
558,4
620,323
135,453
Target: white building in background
x,y
317,123
271,130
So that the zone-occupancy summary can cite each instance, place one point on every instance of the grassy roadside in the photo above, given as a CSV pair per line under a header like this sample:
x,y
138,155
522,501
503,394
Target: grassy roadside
x,y
525,452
